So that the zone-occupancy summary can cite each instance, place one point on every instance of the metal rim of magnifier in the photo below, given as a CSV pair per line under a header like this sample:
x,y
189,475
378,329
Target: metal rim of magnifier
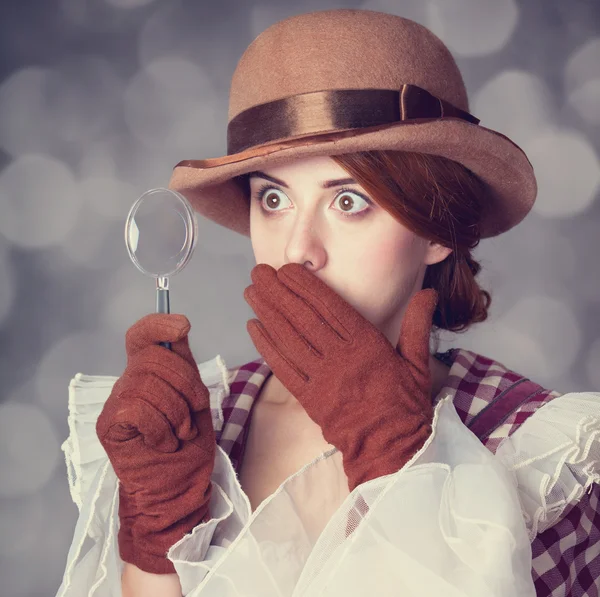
x,y
191,231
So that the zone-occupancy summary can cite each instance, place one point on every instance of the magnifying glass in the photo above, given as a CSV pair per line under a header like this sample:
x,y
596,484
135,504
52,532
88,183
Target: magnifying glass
x,y
160,235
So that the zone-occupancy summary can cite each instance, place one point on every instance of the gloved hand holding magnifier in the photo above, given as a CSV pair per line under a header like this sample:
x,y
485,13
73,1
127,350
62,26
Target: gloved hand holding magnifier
x,y
156,425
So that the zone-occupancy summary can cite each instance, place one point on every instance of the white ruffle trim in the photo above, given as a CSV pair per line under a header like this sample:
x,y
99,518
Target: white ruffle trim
x,y
555,457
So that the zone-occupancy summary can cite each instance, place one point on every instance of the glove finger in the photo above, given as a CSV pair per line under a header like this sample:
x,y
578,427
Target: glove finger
x,y
290,376
206,438
154,328
344,320
283,332
181,348
154,428
167,401
171,367
111,406
161,397
301,307
416,329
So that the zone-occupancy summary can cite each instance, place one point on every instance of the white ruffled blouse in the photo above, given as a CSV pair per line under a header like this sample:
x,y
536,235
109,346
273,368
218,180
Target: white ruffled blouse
x,y
457,520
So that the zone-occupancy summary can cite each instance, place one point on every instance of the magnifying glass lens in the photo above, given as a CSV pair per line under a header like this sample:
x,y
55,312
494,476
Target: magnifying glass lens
x,y
160,233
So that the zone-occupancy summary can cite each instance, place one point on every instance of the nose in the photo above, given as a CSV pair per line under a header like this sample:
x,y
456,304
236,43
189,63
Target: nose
x,y
305,246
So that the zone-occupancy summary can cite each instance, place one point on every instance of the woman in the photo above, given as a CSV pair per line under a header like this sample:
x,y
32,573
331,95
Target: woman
x,y
347,460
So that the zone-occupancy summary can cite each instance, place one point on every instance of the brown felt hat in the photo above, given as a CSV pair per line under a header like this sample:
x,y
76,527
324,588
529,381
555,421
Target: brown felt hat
x,y
343,81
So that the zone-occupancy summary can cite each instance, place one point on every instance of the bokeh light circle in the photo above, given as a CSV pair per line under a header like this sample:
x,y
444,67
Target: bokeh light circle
x,y
16,537
59,111
87,243
94,352
582,81
473,27
29,449
552,328
567,170
171,104
538,336
415,10
262,16
515,103
108,196
586,99
39,201
131,296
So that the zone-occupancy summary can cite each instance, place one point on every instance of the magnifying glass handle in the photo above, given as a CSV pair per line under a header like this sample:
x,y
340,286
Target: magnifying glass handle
x,y
162,301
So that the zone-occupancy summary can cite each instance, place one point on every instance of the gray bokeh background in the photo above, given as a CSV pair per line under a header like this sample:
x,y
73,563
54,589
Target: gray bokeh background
x,y
100,98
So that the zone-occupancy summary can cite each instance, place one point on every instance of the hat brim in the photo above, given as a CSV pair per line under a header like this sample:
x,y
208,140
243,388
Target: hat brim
x,y
495,159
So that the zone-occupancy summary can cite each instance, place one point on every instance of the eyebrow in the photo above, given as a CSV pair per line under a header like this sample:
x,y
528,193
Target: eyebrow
x,y
328,184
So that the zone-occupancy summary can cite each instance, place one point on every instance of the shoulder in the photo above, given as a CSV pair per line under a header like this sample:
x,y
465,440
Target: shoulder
x,y
491,399
549,440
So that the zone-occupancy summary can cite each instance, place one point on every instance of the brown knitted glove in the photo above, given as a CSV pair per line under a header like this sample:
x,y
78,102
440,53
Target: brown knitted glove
x,y
370,398
157,431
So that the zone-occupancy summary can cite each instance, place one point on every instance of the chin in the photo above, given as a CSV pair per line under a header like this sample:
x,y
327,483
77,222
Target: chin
x,y
371,316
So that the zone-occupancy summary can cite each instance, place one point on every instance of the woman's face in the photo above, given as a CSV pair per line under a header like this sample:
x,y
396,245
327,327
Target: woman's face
x,y
311,212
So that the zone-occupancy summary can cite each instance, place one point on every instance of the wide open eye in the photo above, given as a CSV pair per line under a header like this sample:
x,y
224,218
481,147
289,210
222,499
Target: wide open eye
x,y
270,198
347,199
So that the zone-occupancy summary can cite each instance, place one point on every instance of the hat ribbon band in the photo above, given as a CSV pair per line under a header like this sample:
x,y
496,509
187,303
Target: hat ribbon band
x,y
335,110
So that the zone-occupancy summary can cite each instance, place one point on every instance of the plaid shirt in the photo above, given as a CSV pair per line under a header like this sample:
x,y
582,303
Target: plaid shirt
x,y
565,557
